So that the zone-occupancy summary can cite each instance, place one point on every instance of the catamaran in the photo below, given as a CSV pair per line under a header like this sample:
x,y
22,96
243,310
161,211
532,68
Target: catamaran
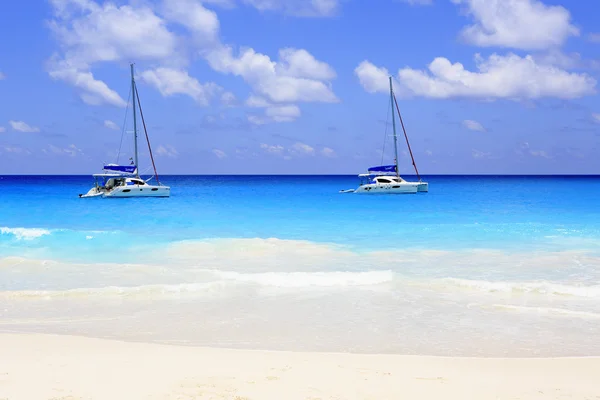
x,y
385,179
124,180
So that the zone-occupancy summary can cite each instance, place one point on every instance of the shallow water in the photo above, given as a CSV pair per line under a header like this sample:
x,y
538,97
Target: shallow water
x,y
502,266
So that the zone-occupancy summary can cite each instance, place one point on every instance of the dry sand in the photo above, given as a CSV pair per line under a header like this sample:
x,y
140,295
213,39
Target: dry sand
x,y
41,367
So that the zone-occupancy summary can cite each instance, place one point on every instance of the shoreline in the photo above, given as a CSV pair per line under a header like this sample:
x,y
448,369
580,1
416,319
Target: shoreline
x,y
48,366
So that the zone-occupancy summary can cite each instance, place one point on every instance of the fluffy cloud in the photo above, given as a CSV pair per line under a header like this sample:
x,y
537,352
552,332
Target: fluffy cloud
x,y
509,77
596,117
23,127
273,112
303,148
167,151
297,77
521,24
91,32
170,81
473,125
111,125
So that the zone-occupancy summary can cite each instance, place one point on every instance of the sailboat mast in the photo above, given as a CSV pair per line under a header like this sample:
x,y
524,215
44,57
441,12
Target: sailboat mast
x,y
394,125
135,145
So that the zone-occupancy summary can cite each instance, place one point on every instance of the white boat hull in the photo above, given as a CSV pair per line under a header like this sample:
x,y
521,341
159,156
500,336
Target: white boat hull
x,y
129,191
388,188
139,191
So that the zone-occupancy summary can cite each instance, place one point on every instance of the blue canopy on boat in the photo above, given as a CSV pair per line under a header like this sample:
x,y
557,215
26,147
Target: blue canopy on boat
x,y
124,169
383,170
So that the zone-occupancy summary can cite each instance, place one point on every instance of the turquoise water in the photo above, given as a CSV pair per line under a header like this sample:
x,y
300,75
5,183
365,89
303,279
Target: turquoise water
x,y
478,266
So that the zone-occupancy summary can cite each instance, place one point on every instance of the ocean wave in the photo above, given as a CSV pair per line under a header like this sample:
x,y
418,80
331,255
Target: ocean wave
x,y
308,279
24,233
540,287
225,280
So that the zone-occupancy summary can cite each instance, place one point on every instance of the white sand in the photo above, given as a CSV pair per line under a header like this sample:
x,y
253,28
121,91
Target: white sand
x,y
40,367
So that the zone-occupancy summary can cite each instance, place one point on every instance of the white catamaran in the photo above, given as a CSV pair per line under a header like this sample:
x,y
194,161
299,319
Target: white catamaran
x,y
385,179
124,180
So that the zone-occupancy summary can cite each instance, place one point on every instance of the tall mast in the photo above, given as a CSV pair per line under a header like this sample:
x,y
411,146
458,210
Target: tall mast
x,y
137,172
393,124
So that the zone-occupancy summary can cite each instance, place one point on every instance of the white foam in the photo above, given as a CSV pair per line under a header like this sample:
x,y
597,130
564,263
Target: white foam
x,y
24,233
540,287
308,279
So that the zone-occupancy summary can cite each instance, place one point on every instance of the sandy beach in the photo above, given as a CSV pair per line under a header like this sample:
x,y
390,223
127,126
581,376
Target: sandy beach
x,y
37,366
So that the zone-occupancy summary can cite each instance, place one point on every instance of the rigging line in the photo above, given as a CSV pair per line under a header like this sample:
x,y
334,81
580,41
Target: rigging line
x,y
136,94
123,129
385,134
406,136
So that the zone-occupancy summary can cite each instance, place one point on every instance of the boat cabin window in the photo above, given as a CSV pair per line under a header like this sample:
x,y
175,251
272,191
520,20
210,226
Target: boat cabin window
x,y
383,180
138,182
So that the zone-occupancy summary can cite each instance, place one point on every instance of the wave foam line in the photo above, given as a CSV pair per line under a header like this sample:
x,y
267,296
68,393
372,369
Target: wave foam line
x,y
526,287
225,279
307,279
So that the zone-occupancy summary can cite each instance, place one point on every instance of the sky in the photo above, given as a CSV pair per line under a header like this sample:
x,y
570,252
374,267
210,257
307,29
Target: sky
x,y
301,86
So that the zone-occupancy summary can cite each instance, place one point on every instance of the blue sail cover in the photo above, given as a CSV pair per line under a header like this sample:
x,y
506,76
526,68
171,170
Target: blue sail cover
x,y
124,169
383,170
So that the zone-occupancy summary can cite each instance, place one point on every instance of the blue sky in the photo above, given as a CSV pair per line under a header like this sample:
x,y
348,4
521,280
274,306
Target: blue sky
x,y
300,86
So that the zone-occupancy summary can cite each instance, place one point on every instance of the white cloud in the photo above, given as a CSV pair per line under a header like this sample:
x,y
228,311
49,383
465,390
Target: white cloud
x,y
525,149
521,24
328,152
93,91
509,77
273,113
2,129
111,33
303,148
192,14
285,81
299,8
16,150
111,125
300,63
90,33
23,127
70,151
283,113
596,117
167,151
272,149
219,153
170,81
473,125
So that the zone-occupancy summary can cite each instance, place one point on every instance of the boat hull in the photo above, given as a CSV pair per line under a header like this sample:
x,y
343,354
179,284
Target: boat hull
x,y
129,191
138,191
387,188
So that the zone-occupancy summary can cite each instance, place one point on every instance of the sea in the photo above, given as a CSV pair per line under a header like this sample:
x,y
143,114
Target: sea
x,y
485,266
